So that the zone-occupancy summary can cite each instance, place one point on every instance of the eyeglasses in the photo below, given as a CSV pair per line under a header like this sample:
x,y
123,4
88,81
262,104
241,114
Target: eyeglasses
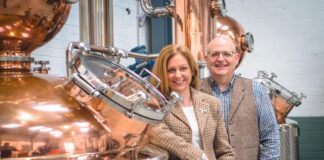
x,y
226,54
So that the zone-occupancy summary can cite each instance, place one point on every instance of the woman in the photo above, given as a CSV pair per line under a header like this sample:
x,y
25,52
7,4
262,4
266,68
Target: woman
x,y
195,128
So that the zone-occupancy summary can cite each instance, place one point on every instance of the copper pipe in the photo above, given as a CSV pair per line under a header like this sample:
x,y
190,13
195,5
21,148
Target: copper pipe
x,y
158,11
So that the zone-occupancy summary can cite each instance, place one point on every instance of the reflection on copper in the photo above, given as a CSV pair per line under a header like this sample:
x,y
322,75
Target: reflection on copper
x,y
12,125
27,25
193,26
230,28
282,109
282,99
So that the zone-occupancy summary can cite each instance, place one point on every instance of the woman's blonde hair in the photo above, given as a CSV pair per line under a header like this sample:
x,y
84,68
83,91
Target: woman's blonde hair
x,y
160,67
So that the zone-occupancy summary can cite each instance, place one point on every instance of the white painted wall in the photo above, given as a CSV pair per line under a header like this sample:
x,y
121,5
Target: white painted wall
x,y
288,41
54,50
127,35
289,37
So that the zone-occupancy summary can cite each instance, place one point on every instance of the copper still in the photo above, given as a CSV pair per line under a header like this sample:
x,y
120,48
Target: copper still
x,y
197,22
194,21
89,116
230,28
282,99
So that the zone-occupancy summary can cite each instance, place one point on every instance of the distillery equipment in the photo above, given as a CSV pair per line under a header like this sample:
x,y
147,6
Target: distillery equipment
x,y
197,22
283,101
101,112
194,22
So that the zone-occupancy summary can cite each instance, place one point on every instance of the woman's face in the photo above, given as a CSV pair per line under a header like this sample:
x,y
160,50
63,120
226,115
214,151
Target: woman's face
x,y
179,74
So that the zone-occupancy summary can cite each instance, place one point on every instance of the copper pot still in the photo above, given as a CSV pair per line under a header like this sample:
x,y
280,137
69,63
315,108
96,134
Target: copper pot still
x,y
41,116
26,25
197,22
282,99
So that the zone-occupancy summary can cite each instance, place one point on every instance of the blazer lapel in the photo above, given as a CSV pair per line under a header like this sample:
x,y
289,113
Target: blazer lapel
x,y
178,112
206,86
238,93
201,109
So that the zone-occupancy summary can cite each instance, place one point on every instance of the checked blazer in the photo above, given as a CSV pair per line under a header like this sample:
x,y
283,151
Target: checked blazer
x,y
174,133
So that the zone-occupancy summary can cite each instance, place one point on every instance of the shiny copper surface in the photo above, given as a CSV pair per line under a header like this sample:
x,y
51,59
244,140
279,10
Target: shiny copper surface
x,y
37,113
193,26
26,25
282,108
282,99
126,131
229,27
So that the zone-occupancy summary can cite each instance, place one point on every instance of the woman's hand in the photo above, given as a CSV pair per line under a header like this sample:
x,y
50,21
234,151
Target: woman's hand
x,y
204,157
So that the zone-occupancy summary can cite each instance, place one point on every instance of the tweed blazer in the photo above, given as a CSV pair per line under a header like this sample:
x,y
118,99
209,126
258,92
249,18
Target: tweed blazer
x,y
174,133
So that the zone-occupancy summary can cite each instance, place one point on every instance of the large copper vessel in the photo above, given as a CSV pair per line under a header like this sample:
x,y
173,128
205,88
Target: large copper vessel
x,y
45,117
25,25
228,27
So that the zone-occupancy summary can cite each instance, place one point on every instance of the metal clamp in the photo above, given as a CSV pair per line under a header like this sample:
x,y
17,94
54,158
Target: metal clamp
x,y
217,8
174,98
95,92
143,97
82,47
16,59
42,68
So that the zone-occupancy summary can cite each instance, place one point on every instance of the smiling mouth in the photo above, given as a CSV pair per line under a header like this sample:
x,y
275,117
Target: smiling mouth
x,y
179,82
220,65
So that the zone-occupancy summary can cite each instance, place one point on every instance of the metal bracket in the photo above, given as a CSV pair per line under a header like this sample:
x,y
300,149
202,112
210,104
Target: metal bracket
x,y
143,97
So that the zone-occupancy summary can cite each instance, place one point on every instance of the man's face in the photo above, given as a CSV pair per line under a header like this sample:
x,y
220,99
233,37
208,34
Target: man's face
x,y
222,58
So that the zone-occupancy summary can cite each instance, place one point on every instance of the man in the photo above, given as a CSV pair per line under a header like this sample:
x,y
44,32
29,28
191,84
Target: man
x,y
249,117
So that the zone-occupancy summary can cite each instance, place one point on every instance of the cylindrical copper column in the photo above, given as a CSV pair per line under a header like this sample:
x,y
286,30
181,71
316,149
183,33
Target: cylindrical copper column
x,y
194,21
194,25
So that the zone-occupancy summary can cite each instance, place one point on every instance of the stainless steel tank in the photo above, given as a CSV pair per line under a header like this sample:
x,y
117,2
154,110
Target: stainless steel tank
x,y
289,134
283,101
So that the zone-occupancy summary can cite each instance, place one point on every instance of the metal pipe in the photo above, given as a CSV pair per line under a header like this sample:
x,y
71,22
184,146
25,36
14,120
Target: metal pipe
x,y
96,22
112,51
158,11
84,48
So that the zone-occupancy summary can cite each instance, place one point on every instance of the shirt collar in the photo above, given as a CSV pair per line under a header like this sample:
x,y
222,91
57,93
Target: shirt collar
x,y
215,86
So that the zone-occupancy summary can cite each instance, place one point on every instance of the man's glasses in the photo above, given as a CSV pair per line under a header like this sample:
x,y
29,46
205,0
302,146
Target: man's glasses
x,y
226,54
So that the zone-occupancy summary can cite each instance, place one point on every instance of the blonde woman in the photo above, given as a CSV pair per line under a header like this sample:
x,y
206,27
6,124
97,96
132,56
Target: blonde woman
x,y
195,128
